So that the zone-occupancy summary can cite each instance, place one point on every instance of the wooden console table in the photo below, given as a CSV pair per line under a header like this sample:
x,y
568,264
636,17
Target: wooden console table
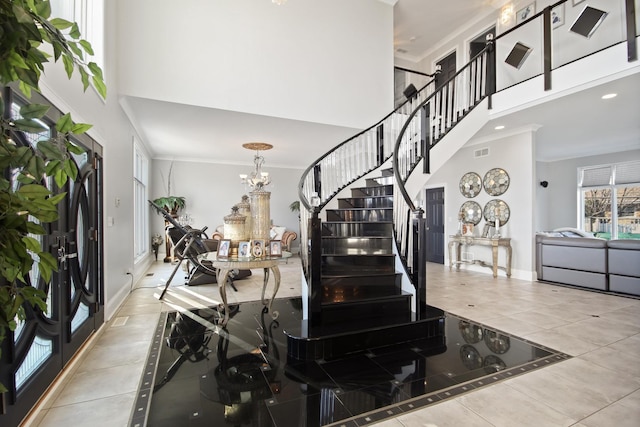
x,y
495,243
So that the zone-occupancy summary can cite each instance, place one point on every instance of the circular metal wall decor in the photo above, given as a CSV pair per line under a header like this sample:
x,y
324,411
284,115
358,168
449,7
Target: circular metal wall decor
x,y
493,364
471,212
470,357
470,184
496,182
496,342
499,208
470,332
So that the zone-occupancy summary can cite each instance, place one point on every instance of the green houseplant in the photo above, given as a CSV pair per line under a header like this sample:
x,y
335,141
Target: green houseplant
x,y
25,202
171,204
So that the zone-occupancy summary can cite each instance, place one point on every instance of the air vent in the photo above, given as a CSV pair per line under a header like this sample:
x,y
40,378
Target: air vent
x,y
481,152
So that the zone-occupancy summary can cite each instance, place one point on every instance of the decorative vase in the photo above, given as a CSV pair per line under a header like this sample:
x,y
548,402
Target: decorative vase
x,y
260,215
234,230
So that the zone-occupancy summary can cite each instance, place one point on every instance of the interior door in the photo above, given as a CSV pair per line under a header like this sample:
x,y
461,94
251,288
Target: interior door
x,y
41,346
435,224
445,97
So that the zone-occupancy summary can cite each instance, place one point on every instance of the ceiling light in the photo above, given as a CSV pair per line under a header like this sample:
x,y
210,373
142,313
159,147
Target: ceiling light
x,y
257,179
499,127
609,96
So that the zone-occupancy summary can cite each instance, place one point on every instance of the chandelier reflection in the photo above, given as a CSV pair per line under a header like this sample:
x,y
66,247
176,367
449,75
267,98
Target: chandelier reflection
x,y
257,179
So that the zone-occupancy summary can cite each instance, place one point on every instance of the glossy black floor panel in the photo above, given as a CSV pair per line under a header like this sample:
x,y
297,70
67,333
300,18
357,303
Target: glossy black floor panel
x,y
200,374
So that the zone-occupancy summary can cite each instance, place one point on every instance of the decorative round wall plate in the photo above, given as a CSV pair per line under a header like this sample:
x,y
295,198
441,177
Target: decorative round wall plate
x,y
496,342
499,208
496,182
470,184
471,333
471,212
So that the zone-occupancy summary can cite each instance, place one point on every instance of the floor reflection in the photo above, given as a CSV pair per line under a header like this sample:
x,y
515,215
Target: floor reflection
x,y
239,375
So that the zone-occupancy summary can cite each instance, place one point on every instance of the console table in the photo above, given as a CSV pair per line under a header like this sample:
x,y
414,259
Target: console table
x,y
225,265
495,243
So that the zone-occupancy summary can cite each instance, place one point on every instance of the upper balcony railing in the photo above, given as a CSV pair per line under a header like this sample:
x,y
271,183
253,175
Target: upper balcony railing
x,y
557,35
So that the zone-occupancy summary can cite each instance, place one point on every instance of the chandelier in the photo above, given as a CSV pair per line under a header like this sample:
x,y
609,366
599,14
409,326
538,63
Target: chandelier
x,y
257,179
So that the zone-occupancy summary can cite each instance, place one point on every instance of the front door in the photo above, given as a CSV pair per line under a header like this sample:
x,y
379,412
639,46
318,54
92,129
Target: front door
x,y
43,344
435,224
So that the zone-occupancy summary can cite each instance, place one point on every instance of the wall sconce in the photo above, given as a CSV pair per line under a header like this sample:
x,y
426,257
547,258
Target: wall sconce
x,y
507,13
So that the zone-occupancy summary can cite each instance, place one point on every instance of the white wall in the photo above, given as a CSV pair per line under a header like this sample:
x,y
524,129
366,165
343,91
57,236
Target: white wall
x,y
557,205
515,155
212,189
306,60
113,131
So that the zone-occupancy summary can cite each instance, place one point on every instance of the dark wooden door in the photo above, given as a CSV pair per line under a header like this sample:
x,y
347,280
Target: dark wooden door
x,y
435,224
37,351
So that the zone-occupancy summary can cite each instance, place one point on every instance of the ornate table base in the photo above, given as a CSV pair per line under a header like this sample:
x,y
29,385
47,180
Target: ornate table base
x,y
495,243
224,266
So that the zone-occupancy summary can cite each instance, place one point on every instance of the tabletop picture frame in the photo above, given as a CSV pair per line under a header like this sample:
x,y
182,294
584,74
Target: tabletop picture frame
x,y
224,248
244,249
257,248
275,247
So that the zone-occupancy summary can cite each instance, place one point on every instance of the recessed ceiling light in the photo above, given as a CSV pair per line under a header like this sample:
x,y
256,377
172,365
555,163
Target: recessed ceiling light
x,y
500,127
609,96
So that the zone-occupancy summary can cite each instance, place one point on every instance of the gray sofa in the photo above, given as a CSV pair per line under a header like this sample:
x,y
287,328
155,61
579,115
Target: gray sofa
x,y
589,262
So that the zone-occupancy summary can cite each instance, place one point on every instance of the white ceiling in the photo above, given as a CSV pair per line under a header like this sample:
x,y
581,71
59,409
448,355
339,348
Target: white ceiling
x,y
418,25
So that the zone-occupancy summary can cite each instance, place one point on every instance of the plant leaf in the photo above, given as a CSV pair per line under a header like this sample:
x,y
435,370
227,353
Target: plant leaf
x,y
64,123
33,111
60,24
86,46
50,150
29,126
68,65
100,87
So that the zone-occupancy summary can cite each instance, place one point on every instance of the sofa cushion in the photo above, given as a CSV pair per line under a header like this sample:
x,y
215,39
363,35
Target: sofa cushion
x,y
277,232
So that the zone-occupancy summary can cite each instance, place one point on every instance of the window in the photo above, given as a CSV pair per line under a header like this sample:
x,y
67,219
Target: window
x,y
89,15
610,200
140,205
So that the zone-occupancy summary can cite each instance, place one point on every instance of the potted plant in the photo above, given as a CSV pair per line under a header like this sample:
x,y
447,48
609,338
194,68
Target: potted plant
x,y
26,204
171,204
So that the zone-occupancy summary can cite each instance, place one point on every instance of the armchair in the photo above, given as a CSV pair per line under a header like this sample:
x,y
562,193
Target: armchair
x,y
287,239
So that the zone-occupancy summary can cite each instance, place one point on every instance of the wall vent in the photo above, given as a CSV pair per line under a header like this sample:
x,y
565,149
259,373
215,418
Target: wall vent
x,y
481,152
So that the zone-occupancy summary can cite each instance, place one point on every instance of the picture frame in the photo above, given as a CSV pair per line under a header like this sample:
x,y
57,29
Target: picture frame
x,y
486,230
557,16
257,248
526,12
224,248
275,247
244,249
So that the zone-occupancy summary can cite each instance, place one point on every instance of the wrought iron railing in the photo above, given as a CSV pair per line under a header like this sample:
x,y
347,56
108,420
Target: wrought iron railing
x,y
347,163
411,131
425,127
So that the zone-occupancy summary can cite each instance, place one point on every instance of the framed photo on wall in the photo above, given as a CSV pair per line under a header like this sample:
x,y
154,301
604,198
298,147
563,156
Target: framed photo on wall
x,y
526,12
557,16
223,248
275,248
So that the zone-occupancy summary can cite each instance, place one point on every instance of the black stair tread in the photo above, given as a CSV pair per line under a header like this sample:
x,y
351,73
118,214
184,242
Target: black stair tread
x,y
366,300
360,255
364,196
357,237
388,208
357,222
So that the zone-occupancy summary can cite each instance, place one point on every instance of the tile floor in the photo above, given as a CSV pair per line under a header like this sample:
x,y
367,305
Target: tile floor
x,y
599,386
